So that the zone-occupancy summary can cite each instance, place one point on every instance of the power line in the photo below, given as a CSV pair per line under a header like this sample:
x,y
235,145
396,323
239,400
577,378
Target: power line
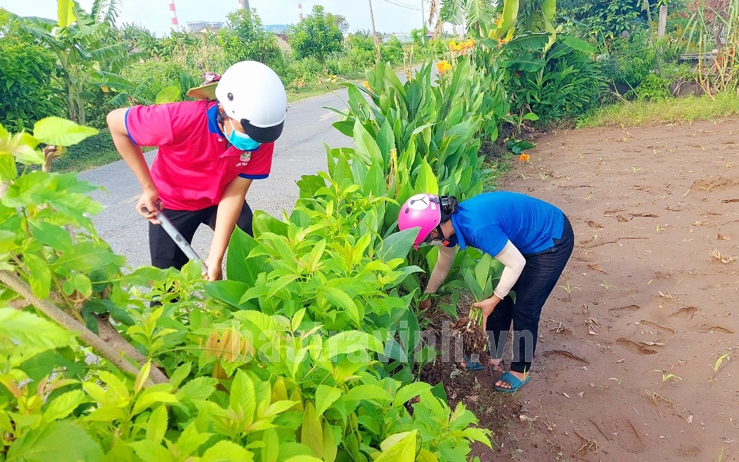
x,y
402,5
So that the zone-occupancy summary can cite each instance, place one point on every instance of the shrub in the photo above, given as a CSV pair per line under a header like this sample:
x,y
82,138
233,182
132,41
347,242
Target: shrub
x,y
25,79
630,60
392,51
318,35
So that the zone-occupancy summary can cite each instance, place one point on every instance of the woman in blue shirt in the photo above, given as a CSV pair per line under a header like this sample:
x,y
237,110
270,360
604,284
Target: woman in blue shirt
x,y
532,238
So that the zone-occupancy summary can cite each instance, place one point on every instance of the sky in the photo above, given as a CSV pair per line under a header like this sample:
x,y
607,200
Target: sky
x,y
155,16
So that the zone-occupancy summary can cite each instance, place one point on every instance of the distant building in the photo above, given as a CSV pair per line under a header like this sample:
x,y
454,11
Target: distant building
x,y
198,27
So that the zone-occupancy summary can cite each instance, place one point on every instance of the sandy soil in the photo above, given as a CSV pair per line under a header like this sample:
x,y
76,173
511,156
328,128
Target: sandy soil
x,y
628,366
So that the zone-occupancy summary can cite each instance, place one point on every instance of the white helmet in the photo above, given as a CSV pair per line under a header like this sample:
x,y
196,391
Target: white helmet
x,y
253,93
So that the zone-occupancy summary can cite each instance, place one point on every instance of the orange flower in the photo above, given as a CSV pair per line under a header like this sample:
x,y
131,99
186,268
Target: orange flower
x,y
366,85
443,66
524,157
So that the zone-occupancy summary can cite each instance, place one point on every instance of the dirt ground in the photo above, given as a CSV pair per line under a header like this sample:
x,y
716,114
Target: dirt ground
x,y
632,361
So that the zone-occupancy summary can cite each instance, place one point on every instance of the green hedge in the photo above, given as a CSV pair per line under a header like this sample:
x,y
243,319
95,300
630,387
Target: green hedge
x,y
93,152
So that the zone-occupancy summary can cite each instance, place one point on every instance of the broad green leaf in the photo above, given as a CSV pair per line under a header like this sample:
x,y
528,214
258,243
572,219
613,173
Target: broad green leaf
x,y
400,447
426,181
410,391
424,455
243,397
65,12
168,95
79,283
238,266
58,442
226,451
39,275
368,392
262,222
199,388
156,427
8,169
578,44
63,405
149,451
33,333
366,148
325,397
311,431
61,132
397,245
304,459
340,299
351,341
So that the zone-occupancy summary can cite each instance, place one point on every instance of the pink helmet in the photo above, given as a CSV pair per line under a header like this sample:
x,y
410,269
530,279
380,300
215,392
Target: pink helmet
x,y
420,210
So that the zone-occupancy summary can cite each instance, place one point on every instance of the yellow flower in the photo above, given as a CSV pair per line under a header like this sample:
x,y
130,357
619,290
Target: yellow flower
x,y
366,85
453,45
443,66
524,157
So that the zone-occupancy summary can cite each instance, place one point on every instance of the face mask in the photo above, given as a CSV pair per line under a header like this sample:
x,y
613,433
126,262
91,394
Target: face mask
x,y
240,140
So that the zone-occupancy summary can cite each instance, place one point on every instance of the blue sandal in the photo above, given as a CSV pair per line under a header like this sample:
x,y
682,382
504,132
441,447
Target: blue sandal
x,y
513,381
472,365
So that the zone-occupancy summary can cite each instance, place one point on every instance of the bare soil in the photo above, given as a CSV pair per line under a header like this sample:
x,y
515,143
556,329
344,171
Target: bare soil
x,y
627,367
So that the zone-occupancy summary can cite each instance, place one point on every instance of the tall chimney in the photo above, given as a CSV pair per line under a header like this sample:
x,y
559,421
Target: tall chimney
x,y
173,13
300,11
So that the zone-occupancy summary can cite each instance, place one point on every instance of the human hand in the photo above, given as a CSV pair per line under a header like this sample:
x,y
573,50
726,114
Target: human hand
x,y
213,270
148,205
487,307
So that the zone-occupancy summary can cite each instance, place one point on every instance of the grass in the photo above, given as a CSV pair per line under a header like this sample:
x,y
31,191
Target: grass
x,y
641,113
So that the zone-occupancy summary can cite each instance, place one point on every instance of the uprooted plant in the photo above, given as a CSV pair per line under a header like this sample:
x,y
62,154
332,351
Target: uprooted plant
x,y
480,272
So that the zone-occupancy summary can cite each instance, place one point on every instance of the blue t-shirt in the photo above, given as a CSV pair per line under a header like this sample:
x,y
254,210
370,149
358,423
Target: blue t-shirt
x,y
487,221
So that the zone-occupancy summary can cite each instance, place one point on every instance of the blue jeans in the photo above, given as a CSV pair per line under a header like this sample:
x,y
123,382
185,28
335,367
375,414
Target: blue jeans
x,y
532,289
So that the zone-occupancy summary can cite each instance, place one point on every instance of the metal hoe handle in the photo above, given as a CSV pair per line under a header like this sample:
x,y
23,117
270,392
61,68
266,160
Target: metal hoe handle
x,y
177,238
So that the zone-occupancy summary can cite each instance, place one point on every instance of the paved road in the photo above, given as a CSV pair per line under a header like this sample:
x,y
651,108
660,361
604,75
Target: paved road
x,y
299,151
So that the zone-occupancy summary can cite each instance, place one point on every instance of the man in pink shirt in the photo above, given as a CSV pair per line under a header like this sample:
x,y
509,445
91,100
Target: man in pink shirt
x,y
210,151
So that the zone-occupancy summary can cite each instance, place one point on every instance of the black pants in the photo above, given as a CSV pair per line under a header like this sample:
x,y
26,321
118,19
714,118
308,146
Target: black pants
x,y
532,289
164,251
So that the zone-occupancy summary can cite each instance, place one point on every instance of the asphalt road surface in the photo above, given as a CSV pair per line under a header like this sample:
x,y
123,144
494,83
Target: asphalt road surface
x,y
299,151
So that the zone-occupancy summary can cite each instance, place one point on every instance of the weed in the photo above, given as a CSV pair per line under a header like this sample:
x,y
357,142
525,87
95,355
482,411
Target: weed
x,y
605,285
635,169
617,380
720,360
666,376
543,176
569,288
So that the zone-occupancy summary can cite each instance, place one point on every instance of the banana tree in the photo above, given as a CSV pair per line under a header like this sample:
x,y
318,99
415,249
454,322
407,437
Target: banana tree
x,y
84,44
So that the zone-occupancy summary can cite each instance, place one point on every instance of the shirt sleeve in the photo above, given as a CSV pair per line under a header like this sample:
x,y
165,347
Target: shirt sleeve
x,y
150,125
260,164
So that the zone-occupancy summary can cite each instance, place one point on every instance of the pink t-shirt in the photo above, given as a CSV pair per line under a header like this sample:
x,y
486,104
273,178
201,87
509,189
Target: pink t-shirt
x,y
194,162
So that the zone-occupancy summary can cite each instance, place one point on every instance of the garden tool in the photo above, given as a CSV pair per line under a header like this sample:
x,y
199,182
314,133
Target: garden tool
x,y
177,238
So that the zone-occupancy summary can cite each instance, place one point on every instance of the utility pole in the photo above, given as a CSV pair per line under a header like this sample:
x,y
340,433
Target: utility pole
x,y
244,4
374,34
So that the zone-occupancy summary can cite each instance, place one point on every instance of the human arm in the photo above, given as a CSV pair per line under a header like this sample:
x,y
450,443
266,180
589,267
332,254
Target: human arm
x,y
229,209
134,158
438,275
513,263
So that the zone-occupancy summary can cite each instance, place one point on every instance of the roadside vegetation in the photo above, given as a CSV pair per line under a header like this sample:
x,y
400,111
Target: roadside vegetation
x,y
313,348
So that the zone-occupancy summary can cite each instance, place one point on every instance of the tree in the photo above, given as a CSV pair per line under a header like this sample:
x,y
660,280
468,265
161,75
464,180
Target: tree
x,y
246,39
316,35
84,44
